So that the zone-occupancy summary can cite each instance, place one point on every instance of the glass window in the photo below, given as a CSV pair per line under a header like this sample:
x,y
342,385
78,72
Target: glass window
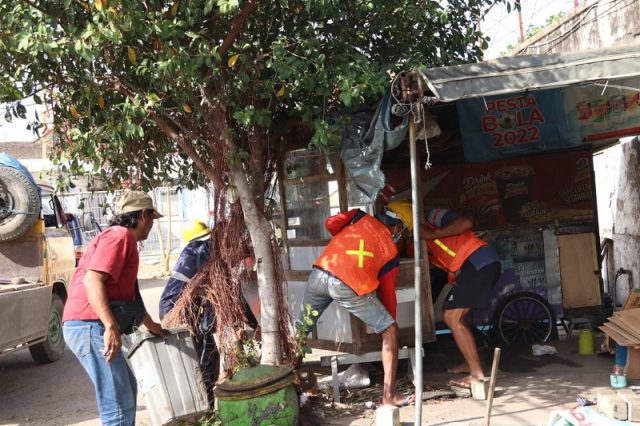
x,y
312,193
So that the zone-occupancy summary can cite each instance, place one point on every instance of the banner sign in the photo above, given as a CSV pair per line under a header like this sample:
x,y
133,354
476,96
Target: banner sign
x,y
498,127
605,112
517,191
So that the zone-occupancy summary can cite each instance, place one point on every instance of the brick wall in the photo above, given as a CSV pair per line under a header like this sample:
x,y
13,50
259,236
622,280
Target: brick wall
x,y
26,150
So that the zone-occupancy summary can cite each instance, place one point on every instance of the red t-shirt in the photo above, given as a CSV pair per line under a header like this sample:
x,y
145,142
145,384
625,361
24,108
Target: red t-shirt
x,y
115,252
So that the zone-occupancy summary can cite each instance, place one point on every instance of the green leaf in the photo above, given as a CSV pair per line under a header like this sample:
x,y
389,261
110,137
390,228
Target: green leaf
x,y
208,7
24,43
227,6
345,98
21,111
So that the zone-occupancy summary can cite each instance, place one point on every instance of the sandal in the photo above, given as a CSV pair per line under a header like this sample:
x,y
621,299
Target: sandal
x,y
460,384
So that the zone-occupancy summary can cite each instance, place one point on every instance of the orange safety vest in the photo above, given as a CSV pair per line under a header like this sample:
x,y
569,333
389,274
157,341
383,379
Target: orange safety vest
x,y
357,254
449,253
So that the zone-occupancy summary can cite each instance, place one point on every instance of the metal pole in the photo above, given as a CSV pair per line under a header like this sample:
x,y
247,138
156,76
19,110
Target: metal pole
x,y
415,196
520,25
408,92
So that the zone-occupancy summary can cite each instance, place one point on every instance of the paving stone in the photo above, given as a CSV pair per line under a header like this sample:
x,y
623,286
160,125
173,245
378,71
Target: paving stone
x,y
633,404
610,404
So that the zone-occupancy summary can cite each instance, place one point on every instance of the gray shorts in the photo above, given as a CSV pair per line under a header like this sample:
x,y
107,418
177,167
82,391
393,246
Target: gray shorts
x,y
323,288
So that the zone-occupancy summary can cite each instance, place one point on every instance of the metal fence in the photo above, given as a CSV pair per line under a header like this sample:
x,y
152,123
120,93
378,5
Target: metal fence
x,y
177,206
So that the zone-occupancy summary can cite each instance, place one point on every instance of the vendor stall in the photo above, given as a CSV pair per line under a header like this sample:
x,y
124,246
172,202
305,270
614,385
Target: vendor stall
x,y
508,142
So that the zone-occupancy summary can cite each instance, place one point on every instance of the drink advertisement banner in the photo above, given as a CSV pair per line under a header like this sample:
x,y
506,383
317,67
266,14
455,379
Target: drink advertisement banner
x,y
599,113
517,191
498,127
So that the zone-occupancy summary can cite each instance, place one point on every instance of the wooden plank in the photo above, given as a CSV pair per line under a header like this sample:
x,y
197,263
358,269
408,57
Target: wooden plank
x,y
624,332
579,270
631,330
633,300
626,320
297,275
632,315
620,339
343,197
299,242
309,179
633,364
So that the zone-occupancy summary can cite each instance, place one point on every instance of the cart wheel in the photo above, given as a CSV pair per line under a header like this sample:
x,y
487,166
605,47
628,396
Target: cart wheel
x,y
524,318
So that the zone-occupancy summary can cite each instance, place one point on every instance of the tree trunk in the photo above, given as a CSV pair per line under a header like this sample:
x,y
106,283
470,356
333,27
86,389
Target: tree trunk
x,y
260,232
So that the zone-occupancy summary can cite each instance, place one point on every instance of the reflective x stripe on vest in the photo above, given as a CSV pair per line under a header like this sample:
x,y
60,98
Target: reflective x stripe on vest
x,y
360,253
357,254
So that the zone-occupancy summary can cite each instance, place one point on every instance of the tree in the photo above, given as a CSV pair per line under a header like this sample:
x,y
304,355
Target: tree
x,y
214,90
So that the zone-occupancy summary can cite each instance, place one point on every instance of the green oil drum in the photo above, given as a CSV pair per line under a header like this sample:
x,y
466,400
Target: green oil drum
x,y
263,395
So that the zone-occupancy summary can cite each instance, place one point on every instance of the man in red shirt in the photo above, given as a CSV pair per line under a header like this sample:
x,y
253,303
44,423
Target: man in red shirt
x,y
107,272
360,259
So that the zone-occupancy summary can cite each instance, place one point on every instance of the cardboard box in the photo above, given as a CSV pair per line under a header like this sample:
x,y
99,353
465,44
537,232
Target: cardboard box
x,y
633,300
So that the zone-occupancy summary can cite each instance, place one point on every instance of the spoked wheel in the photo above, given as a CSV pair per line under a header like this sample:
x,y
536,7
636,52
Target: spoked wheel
x,y
524,318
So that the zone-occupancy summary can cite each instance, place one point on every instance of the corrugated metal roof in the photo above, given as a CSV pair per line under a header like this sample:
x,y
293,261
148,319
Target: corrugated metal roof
x,y
515,74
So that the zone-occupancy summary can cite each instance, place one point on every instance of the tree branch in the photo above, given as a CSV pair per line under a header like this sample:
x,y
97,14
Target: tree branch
x,y
236,26
41,10
184,145
128,91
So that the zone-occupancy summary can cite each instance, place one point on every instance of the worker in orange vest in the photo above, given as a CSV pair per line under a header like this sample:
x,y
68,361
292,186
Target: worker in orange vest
x,y
360,259
473,268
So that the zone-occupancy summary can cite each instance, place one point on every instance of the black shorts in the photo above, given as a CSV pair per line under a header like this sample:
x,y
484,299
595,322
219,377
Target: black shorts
x,y
472,287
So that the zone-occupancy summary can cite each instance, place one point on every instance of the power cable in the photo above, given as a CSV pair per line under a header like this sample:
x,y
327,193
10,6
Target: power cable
x,y
576,26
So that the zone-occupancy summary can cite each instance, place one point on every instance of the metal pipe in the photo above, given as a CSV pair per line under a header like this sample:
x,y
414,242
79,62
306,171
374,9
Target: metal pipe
x,y
614,295
417,202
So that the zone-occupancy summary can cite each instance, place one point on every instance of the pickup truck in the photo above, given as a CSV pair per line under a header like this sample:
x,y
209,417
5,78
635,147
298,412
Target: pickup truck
x,y
37,260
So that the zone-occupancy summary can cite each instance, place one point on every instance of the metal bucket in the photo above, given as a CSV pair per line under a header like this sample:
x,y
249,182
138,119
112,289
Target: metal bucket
x,y
168,375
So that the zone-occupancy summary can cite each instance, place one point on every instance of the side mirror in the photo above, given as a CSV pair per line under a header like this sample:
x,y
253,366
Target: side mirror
x,y
88,223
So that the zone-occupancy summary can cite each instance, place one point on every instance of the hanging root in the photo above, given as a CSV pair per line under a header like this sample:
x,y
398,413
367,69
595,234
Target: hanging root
x,y
218,284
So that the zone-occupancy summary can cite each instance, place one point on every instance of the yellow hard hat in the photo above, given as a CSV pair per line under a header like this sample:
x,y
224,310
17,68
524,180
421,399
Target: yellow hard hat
x,y
402,210
194,229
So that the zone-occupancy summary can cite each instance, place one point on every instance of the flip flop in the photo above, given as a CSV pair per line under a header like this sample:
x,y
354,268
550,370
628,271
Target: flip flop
x,y
459,384
410,399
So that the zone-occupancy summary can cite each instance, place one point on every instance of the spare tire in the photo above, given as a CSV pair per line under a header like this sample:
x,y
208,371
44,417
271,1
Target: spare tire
x,y
19,203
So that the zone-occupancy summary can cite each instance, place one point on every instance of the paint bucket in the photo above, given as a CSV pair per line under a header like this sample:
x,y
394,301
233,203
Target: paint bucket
x,y
585,342
260,395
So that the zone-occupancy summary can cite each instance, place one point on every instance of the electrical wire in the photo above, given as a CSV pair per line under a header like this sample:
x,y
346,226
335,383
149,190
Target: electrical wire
x,y
513,33
416,109
582,21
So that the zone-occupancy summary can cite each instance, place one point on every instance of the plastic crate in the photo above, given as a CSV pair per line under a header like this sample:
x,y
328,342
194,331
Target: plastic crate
x,y
168,375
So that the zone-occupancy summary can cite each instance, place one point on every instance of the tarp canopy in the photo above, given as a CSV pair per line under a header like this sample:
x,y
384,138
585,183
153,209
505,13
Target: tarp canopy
x,y
516,74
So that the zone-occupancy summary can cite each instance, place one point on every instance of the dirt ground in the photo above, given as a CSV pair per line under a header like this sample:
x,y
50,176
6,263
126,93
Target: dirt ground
x,y
60,393
528,387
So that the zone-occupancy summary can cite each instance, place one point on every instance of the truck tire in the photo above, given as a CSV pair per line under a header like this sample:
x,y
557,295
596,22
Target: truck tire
x,y
19,203
51,349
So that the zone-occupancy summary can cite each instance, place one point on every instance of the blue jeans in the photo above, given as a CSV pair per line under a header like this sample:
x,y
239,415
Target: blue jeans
x,y
114,383
323,288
